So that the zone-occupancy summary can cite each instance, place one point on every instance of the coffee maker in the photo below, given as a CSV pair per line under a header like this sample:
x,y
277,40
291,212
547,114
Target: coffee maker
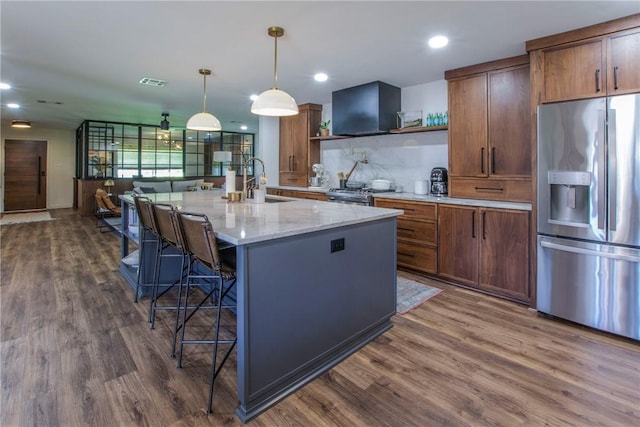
x,y
439,178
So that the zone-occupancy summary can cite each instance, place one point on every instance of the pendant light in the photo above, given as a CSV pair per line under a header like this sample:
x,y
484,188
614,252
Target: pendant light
x,y
204,121
22,124
164,124
275,102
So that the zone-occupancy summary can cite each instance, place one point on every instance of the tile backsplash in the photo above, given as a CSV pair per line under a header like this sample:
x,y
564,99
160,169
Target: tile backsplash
x,y
401,158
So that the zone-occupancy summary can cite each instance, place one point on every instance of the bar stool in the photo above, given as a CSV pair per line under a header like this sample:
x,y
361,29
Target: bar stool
x,y
148,236
200,246
168,247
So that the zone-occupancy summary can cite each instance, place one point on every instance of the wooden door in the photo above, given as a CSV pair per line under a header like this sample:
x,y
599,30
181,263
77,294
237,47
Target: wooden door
x,y
468,126
624,64
25,175
509,123
458,243
504,252
574,72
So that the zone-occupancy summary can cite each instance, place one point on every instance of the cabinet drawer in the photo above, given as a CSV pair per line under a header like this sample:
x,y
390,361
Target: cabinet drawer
x,y
418,230
490,189
293,179
412,210
417,257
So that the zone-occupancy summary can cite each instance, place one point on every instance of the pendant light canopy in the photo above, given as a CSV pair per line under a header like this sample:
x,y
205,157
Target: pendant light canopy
x,y
275,102
204,121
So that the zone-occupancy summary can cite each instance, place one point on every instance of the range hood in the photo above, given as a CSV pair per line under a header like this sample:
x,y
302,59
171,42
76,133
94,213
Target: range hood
x,y
368,109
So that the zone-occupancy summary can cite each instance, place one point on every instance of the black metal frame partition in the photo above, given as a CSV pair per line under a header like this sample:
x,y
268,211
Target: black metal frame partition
x,y
126,150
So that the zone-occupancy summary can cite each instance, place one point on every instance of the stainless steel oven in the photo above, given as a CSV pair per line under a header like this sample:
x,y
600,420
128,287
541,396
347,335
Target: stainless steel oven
x,y
351,196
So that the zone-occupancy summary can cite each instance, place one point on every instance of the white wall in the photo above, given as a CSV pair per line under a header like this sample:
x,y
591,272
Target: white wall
x,y
61,160
267,147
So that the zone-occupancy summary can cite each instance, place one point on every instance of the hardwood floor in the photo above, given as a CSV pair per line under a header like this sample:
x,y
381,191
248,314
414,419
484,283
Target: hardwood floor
x,y
77,351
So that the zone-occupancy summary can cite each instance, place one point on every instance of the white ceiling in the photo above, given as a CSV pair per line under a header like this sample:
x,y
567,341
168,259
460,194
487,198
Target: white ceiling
x,y
90,55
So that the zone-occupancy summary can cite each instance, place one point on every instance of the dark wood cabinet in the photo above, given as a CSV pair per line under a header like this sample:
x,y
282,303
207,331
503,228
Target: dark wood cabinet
x,y
587,69
573,72
490,131
624,63
458,244
297,152
504,252
417,234
311,195
485,248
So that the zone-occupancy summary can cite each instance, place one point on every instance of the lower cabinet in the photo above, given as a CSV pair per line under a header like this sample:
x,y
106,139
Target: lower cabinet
x,y
312,195
486,248
417,234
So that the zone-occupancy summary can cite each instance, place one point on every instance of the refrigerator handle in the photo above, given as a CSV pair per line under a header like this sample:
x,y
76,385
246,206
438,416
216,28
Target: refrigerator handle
x,y
612,170
582,251
602,205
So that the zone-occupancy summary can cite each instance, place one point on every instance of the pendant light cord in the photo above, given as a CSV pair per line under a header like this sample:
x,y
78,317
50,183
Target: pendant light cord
x,y
204,98
275,65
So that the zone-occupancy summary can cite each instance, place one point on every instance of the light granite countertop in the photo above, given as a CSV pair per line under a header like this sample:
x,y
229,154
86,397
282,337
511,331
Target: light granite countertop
x,y
455,201
429,198
242,223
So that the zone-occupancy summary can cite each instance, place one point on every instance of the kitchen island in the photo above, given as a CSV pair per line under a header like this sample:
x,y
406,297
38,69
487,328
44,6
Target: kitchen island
x,y
316,282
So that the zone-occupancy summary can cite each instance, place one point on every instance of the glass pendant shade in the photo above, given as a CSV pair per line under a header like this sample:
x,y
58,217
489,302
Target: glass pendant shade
x,y
274,102
204,121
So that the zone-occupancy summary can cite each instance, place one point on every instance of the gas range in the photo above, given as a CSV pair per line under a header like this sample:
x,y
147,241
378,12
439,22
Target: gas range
x,y
354,196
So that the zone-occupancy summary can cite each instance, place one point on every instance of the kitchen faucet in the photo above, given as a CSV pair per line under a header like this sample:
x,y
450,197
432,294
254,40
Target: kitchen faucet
x,y
245,181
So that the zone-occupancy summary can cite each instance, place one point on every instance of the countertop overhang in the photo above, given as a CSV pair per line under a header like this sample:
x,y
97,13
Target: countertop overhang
x,y
245,222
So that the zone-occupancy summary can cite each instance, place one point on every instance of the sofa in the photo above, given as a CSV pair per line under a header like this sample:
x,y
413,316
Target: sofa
x,y
142,187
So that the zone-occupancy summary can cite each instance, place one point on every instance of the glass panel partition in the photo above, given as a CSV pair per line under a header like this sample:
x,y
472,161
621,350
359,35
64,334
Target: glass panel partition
x,y
124,150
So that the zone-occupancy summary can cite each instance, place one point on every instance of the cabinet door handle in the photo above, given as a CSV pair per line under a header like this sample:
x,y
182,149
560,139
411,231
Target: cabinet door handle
x,y
489,189
484,225
473,224
39,174
294,163
289,163
482,160
615,77
493,159
406,229
598,80
406,254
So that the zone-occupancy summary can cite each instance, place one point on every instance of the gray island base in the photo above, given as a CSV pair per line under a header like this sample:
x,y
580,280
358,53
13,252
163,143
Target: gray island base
x,y
316,282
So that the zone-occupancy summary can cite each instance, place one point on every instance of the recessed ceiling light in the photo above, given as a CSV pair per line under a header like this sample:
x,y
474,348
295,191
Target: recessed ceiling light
x,y
244,127
320,77
253,97
5,85
437,42
13,105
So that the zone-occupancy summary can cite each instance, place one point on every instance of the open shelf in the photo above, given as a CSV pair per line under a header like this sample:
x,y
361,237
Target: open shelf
x,y
419,129
329,137
413,129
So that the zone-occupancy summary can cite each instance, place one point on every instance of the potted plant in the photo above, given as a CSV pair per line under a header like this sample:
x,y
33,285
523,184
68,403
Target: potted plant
x,y
324,128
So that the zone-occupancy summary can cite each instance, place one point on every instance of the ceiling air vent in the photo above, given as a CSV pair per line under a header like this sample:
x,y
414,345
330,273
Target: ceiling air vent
x,y
152,82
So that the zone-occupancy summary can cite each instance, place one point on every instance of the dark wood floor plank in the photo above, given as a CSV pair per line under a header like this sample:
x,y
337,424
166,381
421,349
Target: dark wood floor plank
x,y
77,351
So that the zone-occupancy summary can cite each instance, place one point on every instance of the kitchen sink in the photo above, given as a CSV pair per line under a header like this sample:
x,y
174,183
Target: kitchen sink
x,y
274,200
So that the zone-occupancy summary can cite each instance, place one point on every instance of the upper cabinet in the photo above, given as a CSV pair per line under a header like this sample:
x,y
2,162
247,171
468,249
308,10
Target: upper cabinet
x,y
600,60
489,130
624,63
297,151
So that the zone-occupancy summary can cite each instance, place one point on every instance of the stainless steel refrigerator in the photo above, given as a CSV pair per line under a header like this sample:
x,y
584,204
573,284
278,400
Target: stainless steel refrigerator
x,y
589,212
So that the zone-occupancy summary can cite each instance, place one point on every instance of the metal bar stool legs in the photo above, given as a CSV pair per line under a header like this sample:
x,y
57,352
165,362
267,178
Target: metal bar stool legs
x,y
201,246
